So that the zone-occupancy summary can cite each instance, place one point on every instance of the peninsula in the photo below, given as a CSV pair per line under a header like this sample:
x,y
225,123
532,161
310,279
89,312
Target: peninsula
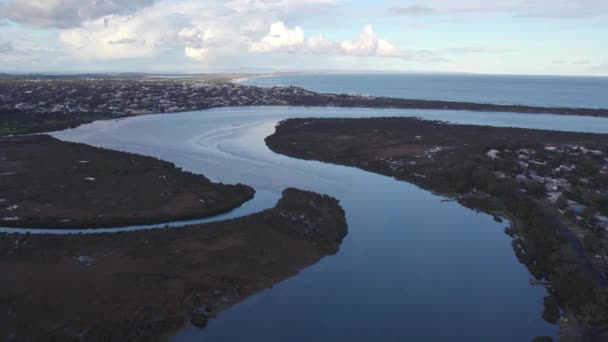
x,y
552,185
139,286
48,183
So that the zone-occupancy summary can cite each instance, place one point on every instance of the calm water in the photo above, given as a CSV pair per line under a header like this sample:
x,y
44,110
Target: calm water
x,y
550,91
411,268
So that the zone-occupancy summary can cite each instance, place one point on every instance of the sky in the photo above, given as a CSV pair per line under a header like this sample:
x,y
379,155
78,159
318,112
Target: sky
x,y
553,37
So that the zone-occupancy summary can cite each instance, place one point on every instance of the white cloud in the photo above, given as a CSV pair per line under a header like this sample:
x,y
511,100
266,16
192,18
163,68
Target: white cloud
x,y
530,8
283,39
66,13
202,30
6,47
280,38
197,54
411,10
125,41
369,44
194,34
115,38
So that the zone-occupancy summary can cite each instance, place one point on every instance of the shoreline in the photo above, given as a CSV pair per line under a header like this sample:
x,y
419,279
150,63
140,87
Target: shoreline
x,y
454,160
52,184
141,286
247,208
241,79
23,117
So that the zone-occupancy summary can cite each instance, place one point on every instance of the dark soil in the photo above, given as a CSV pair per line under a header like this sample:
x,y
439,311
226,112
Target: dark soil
x,y
48,183
138,286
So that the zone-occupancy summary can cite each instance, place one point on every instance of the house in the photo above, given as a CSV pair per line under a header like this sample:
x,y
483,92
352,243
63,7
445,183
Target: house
x,y
493,154
601,222
553,196
575,207
565,168
499,174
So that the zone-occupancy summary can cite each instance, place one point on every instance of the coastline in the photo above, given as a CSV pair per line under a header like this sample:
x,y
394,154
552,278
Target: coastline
x,y
51,184
23,117
241,79
451,160
138,286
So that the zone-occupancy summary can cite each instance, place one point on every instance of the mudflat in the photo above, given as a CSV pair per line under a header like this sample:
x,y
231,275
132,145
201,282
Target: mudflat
x,y
137,286
47,183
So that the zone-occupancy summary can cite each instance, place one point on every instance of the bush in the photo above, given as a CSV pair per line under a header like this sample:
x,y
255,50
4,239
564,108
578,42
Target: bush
x,y
551,313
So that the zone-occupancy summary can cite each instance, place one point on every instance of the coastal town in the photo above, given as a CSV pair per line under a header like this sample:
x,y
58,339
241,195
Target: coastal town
x,y
132,96
573,179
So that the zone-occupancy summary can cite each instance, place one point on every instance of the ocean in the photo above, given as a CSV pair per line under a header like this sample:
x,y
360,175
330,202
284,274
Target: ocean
x,y
547,91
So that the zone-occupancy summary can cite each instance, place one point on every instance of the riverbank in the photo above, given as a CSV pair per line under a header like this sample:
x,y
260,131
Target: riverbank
x,y
138,286
47,183
492,169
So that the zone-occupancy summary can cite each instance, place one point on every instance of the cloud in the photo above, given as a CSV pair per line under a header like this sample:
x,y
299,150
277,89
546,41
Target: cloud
x,y
197,54
120,38
283,39
66,13
203,30
280,38
570,62
6,47
411,10
601,68
462,50
528,8
197,35
369,44
124,41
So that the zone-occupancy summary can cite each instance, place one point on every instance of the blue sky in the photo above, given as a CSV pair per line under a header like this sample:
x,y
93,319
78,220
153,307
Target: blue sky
x,y
503,36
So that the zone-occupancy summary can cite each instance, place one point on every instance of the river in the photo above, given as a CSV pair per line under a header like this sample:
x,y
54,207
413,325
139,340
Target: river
x,y
411,268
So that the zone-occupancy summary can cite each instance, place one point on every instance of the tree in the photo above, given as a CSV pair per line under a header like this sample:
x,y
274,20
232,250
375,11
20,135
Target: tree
x,y
542,339
592,242
562,202
589,213
602,181
551,313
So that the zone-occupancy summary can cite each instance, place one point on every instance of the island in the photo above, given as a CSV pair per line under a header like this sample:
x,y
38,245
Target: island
x,y
48,183
39,103
552,186
141,286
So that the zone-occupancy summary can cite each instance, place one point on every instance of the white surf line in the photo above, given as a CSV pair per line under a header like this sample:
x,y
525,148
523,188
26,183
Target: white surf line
x,y
263,200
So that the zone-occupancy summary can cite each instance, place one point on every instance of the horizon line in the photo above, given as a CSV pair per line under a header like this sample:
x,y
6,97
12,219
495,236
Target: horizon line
x,y
264,72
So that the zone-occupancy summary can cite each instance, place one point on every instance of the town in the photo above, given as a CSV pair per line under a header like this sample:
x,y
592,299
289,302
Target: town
x,y
573,180
42,103
120,97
